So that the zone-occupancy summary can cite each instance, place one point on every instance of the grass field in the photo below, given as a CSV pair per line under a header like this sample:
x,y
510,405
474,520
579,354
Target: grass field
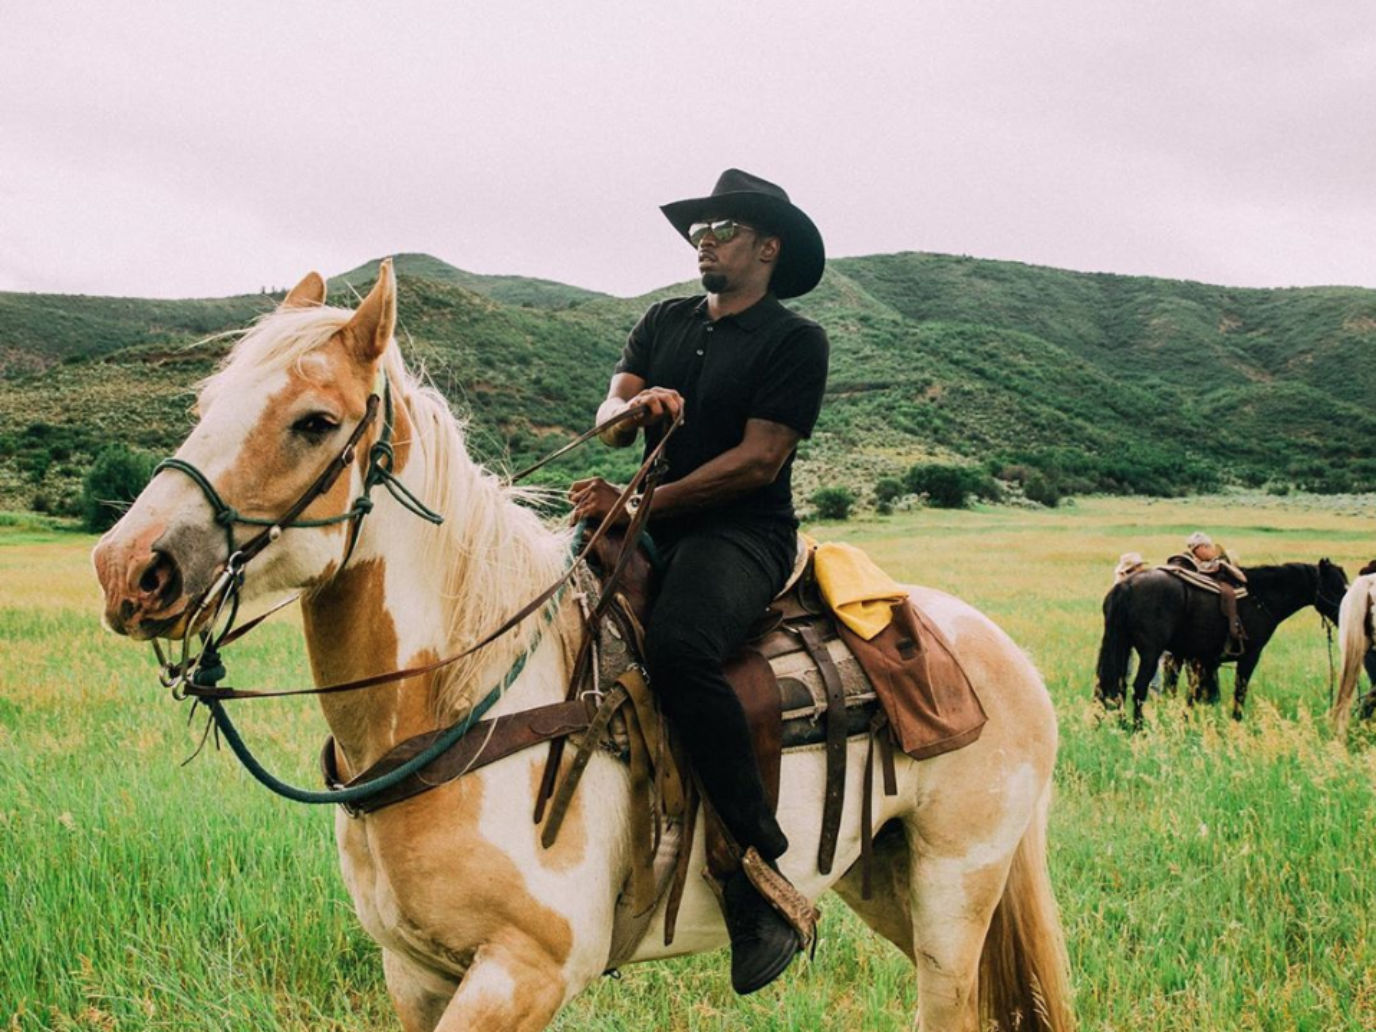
x,y
1211,876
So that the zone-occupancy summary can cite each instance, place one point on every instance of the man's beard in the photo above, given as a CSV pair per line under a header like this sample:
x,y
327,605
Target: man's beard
x,y
713,282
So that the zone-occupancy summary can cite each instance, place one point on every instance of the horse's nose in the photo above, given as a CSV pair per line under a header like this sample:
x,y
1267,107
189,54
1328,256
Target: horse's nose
x,y
139,582
159,582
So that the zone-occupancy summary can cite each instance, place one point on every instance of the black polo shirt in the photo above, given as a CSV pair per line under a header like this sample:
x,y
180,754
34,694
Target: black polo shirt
x,y
764,363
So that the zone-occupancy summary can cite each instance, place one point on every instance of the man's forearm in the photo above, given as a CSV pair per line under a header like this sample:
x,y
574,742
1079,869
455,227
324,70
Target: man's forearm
x,y
730,475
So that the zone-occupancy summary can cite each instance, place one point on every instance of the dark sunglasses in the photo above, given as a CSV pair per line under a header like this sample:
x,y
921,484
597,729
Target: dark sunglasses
x,y
722,230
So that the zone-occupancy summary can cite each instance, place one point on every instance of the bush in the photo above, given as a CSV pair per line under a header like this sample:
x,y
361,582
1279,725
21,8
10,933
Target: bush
x,y
888,490
114,481
946,487
1042,490
832,503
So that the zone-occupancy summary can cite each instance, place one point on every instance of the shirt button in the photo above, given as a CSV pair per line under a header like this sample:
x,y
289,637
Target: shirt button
x,y
699,351
709,329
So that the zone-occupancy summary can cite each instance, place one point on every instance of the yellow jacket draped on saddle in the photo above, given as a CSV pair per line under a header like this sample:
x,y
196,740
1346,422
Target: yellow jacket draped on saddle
x,y
860,594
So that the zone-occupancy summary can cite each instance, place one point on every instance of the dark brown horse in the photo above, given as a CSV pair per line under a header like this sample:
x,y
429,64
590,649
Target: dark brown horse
x,y
1156,612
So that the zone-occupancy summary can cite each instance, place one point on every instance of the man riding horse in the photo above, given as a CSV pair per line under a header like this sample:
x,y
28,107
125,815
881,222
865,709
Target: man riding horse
x,y
748,375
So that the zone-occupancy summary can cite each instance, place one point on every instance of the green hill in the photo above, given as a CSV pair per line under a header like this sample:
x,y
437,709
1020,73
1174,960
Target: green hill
x,y
37,330
509,290
1099,382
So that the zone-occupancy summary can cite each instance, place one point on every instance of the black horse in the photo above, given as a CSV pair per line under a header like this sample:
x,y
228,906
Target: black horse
x,y
1155,612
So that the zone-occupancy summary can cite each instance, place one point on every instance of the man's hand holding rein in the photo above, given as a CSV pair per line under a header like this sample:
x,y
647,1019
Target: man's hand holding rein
x,y
661,404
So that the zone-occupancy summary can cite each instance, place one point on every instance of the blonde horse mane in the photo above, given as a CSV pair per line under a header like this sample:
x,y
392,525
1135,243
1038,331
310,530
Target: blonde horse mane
x,y
1354,639
496,552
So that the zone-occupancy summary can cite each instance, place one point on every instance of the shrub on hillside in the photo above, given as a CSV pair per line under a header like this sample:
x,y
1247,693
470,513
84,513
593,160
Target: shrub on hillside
x,y
832,503
948,487
1042,490
112,483
887,490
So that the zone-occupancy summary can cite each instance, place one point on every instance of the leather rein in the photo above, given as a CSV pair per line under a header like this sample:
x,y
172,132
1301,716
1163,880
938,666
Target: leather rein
x,y
197,676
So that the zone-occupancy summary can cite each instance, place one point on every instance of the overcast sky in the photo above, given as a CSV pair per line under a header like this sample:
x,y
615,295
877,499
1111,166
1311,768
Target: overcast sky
x,y
204,149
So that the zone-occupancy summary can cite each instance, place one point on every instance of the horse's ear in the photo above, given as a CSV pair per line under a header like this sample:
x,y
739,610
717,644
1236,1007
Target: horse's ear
x,y
309,293
370,330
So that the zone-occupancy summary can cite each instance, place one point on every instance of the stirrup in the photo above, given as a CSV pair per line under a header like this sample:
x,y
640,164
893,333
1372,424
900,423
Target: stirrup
x,y
781,894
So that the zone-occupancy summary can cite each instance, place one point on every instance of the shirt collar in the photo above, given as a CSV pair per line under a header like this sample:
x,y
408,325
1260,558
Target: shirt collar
x,y
757,315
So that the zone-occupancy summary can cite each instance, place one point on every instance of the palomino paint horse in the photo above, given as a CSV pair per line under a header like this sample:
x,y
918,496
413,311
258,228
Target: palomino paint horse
x,y
1155,611
481,928
1357,636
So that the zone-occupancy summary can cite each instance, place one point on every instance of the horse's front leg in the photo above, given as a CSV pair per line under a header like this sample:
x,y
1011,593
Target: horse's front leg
x,y
510,987
1246,663
1141,684
418,995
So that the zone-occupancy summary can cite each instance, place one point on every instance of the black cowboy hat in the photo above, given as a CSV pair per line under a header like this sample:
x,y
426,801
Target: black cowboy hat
x,y
739,195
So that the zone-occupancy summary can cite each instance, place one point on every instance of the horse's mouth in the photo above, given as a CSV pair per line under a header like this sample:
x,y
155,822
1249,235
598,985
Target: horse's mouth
x,y
171,626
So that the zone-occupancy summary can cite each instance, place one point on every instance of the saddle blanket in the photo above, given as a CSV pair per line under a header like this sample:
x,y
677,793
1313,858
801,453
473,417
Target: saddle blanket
x,y
1200,580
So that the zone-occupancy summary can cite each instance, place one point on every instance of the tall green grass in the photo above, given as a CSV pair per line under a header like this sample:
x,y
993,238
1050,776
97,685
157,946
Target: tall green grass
x,y
1210,875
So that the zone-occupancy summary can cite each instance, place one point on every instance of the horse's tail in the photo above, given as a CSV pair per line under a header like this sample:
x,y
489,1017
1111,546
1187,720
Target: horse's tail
x,y
1354,638
1024,979
1111,673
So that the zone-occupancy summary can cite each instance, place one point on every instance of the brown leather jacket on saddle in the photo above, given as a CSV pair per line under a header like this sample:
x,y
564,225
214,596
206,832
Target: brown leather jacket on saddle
x,y
1220,576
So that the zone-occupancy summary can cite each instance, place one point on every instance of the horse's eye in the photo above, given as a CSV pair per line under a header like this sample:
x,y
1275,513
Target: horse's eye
x,y
317,424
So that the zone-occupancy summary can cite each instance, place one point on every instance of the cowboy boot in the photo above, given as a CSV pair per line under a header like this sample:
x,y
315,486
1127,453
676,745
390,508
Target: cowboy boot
x,y
763,943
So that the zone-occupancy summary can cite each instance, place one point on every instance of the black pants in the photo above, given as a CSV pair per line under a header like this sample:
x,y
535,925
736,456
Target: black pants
x,y
719,578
